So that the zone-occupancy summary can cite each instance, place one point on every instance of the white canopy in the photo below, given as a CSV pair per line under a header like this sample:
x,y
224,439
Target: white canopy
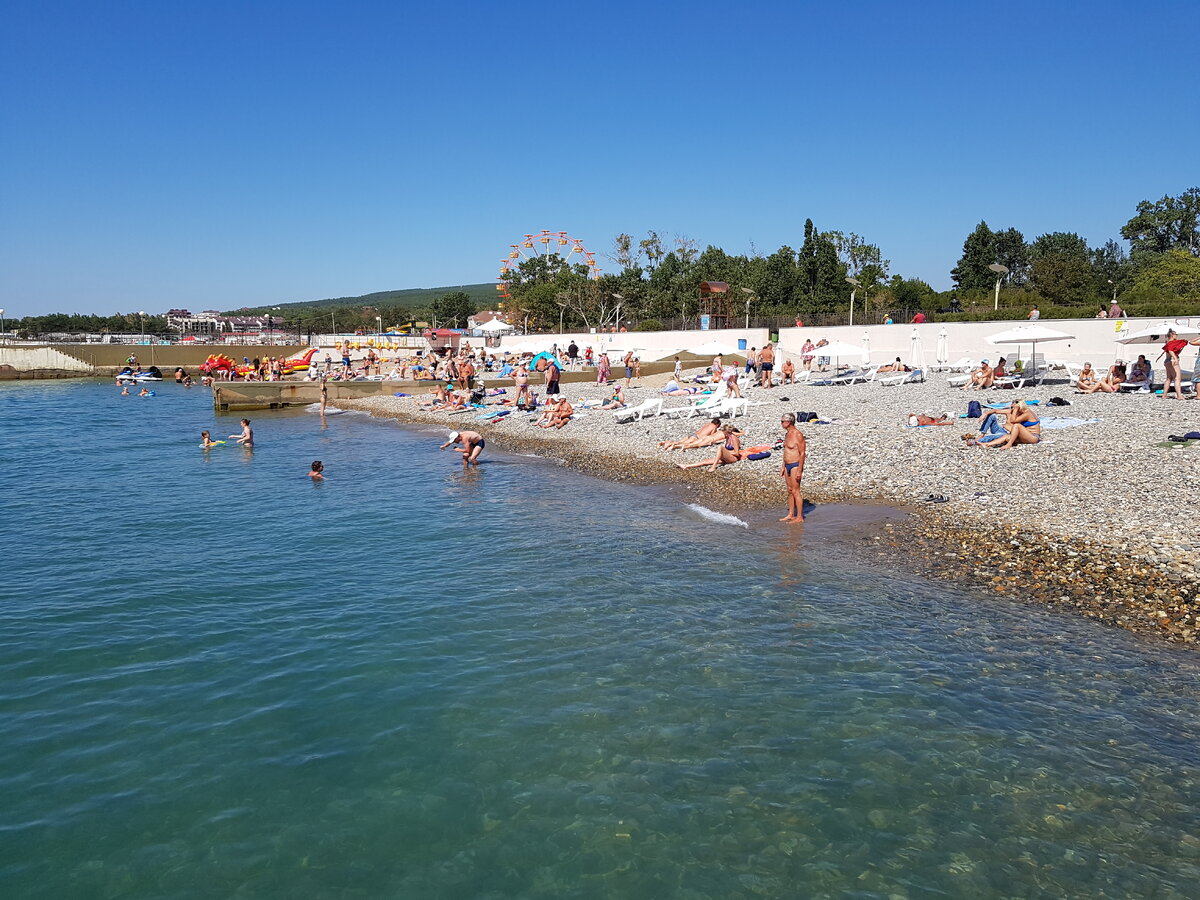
x,y
1028,334
493,326
654,355
1157,334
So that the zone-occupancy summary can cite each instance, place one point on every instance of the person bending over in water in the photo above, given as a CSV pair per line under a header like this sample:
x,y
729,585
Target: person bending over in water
x,y
472,445
317,472
729,452
1024,427
704,436
795,448
246,438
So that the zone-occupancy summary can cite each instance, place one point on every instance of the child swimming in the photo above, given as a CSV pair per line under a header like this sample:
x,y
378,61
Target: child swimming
x,y
317,473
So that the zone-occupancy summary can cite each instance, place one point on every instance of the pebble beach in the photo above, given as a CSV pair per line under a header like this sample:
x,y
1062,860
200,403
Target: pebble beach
x,y
1095,519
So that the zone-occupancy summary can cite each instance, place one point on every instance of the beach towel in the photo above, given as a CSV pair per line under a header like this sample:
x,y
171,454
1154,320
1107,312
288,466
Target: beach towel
x,y
1007,405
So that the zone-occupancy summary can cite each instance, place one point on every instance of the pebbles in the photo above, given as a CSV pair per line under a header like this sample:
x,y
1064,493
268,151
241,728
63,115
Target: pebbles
x,y
1095,518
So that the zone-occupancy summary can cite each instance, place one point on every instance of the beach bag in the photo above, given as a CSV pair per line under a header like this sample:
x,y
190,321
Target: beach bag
x,y
806,417
974,410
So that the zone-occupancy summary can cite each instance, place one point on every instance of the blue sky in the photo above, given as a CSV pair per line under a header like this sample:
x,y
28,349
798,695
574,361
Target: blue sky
x,y
156,154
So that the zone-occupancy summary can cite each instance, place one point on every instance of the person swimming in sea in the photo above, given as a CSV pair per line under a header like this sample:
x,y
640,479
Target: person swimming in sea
x,y
246,438
317,472
125,391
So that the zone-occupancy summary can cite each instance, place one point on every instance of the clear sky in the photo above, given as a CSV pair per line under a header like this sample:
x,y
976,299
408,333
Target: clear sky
x,y
244,153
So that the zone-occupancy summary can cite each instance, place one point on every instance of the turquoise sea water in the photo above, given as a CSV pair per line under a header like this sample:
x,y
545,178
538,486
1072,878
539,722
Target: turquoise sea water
x,y
218,679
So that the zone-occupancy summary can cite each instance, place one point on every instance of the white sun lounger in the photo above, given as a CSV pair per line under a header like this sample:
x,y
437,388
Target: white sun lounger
x,y
651,406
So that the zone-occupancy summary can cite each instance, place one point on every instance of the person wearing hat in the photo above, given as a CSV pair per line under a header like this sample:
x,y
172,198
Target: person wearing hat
x,y
472,445
981,378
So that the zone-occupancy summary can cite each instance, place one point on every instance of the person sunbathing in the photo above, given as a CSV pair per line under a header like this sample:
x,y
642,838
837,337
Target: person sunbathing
x,y
1087,377
921,419
1110,382
981,378
617,400
1140,374
896,366
674,389
560,414
704,436
729,452
1023,426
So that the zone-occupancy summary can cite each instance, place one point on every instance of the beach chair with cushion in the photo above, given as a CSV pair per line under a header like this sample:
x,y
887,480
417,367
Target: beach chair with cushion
x,y
1140,387
902,378
651,406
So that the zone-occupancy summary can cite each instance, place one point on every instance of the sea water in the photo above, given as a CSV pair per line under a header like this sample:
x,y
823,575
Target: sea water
x,y
219,679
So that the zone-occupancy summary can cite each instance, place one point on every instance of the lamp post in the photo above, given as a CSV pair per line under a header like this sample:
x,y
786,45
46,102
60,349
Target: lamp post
x,y
143,315
856,285
618,321
749,294
1000,271
526,320
3,333
1110,281
379,323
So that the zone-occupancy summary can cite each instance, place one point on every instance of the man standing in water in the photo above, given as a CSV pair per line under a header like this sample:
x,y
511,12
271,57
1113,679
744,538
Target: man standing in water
x,y
794,450
472,445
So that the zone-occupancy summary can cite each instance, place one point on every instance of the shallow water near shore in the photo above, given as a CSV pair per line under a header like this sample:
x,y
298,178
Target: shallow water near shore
x,y
219,679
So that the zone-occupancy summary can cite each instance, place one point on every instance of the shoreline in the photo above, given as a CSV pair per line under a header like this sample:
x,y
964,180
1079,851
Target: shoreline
x,y
1138,580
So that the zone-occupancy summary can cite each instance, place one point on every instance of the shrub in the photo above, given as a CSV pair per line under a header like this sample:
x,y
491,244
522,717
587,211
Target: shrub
x,y
649,325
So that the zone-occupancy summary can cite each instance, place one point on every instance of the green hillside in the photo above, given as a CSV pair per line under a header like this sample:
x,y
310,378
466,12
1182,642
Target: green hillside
x,y
483,294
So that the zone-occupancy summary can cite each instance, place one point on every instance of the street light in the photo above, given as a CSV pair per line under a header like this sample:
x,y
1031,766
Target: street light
x,y
749,293
622,299
526,319
1110,281
853,290
1000,271
379,322
143,315
3,333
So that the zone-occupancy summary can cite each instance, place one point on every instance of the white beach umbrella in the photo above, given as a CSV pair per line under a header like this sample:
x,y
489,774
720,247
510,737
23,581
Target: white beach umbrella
x,y
916,351
866,349
654,355
838,350
943,347
1029,334
1157,334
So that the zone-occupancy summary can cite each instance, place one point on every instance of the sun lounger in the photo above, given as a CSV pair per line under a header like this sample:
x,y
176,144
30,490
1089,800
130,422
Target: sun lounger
x,y
902,377
651,406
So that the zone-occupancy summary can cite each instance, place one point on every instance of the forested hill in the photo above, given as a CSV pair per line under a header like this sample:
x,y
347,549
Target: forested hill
x,y
483,294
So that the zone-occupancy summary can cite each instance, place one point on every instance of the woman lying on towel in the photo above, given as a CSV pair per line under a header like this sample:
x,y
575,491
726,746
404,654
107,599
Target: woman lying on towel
x,y
704,436
673,389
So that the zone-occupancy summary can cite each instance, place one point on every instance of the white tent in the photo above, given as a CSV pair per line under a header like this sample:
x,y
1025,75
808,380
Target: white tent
x,y
494,326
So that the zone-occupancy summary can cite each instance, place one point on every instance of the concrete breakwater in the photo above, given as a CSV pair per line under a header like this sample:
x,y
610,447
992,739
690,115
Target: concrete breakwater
x,y
75,360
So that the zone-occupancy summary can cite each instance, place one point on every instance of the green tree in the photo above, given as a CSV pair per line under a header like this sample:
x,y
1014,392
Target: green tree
x,y
452,309
857,254
822,276
1111,268
979,252
1012,252
911,293
1172,275
1169,224
1062,269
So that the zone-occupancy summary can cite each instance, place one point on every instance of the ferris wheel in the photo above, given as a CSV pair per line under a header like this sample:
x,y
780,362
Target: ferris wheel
x,y
549,243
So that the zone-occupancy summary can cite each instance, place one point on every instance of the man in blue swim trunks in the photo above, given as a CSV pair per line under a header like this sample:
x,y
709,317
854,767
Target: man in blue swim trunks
x,y
795,448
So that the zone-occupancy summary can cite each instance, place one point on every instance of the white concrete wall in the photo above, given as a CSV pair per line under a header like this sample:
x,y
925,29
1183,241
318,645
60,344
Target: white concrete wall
x,y
619,343
1094,340
28,359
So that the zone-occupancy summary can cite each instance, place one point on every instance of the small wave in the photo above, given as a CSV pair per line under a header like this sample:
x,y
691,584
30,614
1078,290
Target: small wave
x,y
713,516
